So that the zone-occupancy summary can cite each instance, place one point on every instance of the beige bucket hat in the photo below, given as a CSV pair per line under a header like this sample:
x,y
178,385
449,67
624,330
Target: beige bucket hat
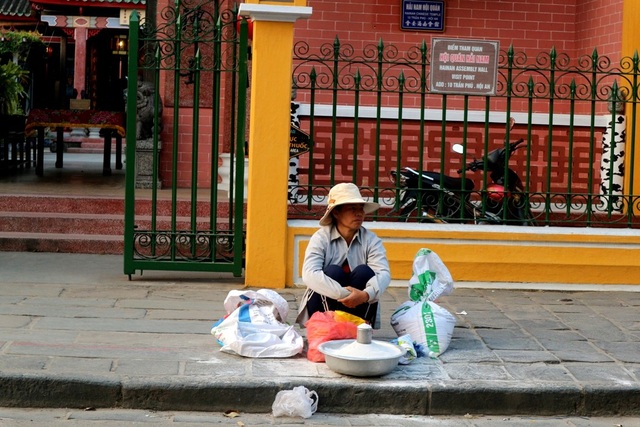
x,y
342,194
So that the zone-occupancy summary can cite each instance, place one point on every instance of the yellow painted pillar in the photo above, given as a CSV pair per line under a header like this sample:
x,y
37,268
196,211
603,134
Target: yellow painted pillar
x,y
630,45
269,124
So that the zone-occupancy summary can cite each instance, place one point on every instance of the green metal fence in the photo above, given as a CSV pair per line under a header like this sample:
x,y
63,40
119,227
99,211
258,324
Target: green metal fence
x,y
180,218
371,112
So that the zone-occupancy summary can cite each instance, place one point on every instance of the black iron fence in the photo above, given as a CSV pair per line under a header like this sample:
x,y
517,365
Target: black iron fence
x,y
371,114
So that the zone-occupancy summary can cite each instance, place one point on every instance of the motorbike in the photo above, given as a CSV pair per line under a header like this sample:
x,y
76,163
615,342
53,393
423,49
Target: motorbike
x,y
434,197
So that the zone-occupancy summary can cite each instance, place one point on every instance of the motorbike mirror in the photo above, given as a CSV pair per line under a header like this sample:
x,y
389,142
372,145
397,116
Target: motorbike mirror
x,y
458,148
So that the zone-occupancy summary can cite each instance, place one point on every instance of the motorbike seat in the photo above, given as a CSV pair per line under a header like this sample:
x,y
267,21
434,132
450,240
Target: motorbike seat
x,y
449,182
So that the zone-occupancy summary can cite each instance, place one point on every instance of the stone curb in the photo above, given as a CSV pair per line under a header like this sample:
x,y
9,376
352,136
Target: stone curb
x,y
356,396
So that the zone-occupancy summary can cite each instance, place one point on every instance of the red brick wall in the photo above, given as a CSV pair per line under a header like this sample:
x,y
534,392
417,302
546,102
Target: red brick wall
x,y
184,125
573,27
185,152
528,25
599,25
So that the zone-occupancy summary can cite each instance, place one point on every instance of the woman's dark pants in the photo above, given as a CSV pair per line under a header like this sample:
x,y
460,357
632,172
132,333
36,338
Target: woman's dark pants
x,y
358,279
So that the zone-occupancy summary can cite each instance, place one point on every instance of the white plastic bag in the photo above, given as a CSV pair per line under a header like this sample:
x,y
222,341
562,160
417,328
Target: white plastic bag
x,y
299,402
428,324
256,327
236,298
431,278
406,343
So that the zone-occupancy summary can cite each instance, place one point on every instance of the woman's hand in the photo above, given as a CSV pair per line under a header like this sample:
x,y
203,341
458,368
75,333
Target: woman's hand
x,y
355,298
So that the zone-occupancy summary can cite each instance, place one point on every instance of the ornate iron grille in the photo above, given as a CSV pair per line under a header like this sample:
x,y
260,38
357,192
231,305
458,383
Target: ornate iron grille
x,y
371,112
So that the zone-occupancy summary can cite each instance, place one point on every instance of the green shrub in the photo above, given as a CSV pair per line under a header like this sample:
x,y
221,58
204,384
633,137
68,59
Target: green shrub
x,y
12,89
19,42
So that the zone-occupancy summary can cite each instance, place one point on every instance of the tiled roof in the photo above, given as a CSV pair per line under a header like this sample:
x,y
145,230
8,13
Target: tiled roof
x,y
15,8
95,3
22,8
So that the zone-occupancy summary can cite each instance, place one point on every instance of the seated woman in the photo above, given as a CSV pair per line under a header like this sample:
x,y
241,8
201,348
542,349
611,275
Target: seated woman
x,y
345,265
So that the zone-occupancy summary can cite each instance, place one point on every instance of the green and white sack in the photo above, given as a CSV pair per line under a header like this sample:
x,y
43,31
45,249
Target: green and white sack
x,y
431,278
428,324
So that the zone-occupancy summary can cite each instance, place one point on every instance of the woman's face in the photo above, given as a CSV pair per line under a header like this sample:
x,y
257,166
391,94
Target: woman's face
x,y
350,215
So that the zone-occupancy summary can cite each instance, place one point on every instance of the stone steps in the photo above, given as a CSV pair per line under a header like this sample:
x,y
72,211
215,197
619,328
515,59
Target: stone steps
x,y
65,243
89,145
84,224
97,205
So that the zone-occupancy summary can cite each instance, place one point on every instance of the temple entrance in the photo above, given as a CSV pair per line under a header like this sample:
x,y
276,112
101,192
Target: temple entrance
x,y
107,70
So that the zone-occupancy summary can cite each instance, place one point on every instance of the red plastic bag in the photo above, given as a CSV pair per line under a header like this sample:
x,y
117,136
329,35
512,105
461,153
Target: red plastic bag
x,y
327,326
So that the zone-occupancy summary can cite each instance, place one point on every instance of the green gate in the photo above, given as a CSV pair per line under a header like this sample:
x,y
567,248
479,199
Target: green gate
x,y
186,107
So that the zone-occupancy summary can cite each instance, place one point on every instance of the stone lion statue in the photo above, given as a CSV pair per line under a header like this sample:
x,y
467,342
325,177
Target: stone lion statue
x,y
145,110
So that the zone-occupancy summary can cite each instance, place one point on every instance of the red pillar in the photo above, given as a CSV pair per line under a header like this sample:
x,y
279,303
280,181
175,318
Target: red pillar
x,y
80,63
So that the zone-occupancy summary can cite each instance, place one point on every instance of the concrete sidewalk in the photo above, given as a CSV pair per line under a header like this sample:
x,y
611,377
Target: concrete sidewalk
x,y
75,332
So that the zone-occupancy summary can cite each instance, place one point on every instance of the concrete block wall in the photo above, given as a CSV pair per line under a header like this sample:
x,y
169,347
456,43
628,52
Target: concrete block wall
x,y
501,256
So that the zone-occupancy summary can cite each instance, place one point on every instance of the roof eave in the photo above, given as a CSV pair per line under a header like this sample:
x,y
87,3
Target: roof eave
x,y
84,3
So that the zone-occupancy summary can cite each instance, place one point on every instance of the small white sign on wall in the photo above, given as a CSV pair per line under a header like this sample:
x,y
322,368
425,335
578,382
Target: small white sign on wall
x,y
125,15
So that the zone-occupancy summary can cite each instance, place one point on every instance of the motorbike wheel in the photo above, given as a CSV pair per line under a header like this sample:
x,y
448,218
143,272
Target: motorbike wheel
x,y
414,215
488,218
528,218
429,218
429,215
426,214
521,211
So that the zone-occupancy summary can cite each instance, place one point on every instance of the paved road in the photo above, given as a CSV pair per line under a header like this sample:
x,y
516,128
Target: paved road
x,y
11,417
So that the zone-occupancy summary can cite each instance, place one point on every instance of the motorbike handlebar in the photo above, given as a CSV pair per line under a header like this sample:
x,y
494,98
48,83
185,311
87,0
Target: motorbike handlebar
x,y
514,145
472,166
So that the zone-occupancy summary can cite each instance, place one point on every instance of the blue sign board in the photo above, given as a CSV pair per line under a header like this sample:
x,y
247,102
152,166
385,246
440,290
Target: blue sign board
x,y
426,15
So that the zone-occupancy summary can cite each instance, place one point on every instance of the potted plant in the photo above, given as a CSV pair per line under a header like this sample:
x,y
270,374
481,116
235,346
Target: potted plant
x,y
14,50
12,89
12,119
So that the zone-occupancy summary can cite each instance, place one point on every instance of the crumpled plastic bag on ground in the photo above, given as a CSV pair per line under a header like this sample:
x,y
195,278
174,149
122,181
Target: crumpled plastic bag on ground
x,y
406,343
299,402
255,326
